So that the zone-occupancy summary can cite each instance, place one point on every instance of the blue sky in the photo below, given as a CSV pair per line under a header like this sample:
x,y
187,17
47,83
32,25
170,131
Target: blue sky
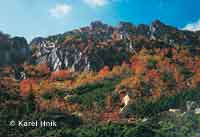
x,y
32,18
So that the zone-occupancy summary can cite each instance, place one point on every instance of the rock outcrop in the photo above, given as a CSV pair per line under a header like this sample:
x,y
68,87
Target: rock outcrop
x,y
13,51
94,46
99,44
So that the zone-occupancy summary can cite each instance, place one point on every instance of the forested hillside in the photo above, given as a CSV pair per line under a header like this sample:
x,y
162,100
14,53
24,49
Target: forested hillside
x,y
101,81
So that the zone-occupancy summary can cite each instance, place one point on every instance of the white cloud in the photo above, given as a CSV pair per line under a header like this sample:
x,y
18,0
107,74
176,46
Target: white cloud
x,y
60,10
195,26
96,3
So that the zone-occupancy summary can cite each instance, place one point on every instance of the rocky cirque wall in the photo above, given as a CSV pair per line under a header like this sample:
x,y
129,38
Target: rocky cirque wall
x,y
93,46
13,50
99,44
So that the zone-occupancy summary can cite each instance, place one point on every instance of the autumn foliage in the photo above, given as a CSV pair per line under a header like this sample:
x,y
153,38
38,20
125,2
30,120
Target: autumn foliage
x,y
60,75
27,86
148,75
43,68
104,71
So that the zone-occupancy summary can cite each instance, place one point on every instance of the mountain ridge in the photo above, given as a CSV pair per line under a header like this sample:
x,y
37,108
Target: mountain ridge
x,y
79,44
97,45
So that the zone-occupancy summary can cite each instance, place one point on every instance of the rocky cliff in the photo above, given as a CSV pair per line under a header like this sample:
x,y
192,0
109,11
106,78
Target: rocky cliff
x,y
99,44
93,46
13,50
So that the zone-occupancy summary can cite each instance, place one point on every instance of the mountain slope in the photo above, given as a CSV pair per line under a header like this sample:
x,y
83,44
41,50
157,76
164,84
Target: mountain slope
x,y
94,46
97,45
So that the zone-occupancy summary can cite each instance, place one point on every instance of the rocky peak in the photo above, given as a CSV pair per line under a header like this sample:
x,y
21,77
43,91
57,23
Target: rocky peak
x,y
143,30
158,23
86,52
126,29
93,47
4,36
13,50
98,24
157,26
37,41
125,25
19,42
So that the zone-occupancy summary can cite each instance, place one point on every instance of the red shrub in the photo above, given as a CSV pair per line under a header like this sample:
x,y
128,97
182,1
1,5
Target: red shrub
x,y
138,66
153,74
27,86
60,75
43,68
104,71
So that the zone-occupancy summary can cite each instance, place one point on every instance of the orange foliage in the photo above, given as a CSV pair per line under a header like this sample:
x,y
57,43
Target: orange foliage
x,y
138,66
193,65
157,94
43,68
27,86
104,71
45,86
165,78
152,74
85,78
60,75
131,84
120,70
167,66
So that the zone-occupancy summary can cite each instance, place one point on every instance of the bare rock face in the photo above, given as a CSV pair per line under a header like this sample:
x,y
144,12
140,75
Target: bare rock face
x,y
92,47
191,105
71,56
89,48
13,50
171,35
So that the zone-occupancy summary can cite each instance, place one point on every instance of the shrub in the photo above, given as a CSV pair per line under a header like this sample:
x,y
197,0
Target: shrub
x,y
60,75
27,86
149,108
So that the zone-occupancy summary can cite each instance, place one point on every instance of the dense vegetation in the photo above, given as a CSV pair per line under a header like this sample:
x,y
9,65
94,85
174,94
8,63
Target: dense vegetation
x,y
156,81
110,82
159,125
